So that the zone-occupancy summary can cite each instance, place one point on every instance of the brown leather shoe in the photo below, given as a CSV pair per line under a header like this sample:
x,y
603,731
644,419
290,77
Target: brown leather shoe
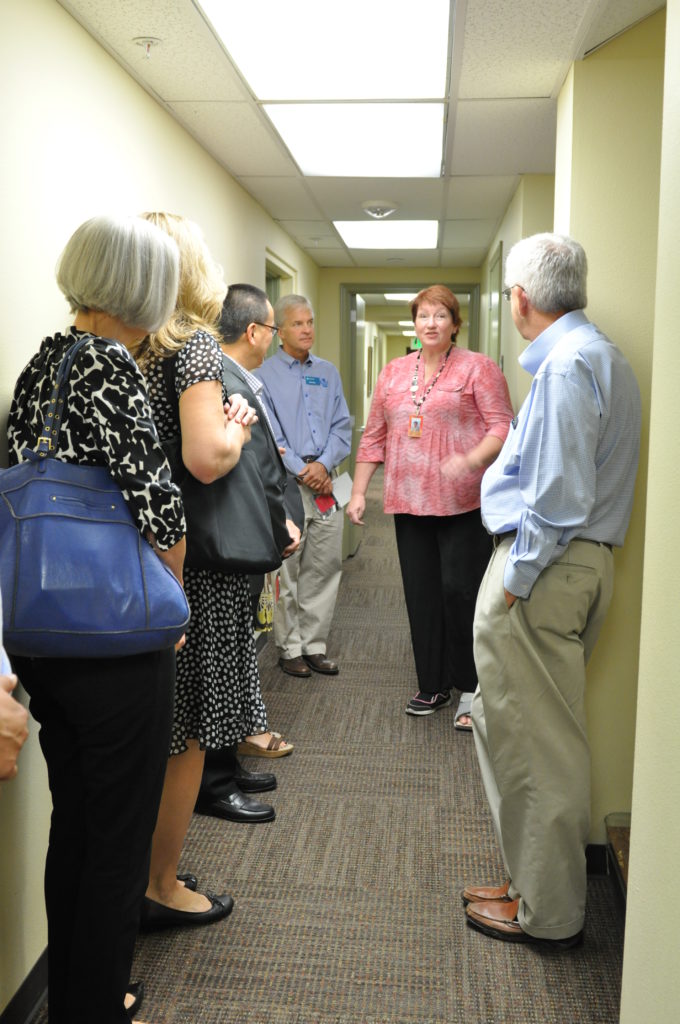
x,y
320,663
480,893
294,666
498,919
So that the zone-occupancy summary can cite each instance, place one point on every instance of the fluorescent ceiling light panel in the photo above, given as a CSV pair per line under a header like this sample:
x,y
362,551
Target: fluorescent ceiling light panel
x,y
400,296
357,139
406,323
388,234
317,50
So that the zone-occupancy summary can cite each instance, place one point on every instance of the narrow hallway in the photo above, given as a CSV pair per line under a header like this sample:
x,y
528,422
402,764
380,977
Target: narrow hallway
x,y
348,906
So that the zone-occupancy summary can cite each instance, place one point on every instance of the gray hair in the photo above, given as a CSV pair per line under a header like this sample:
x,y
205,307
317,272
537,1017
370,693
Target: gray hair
x,y
551,269
288,302
123,266
244,304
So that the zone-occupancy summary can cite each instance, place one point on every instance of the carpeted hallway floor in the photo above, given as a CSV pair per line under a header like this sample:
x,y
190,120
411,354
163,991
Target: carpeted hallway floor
x,y
347,906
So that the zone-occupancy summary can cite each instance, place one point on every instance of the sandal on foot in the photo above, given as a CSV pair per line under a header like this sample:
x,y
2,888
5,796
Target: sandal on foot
x,y
277,747
464,708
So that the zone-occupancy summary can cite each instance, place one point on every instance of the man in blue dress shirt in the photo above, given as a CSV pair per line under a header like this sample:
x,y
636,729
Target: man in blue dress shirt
x,y
557,499
310,419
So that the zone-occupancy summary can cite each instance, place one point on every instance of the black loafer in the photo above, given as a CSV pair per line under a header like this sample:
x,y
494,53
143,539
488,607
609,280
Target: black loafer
x,y
237,807
254,782
135,989
156,915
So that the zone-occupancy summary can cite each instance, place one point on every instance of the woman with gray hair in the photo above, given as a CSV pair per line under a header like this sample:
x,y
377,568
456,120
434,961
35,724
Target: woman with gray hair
x,y
104,723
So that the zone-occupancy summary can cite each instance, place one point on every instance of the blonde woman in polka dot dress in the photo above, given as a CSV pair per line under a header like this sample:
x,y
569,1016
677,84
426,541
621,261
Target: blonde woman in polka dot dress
x,y
218,702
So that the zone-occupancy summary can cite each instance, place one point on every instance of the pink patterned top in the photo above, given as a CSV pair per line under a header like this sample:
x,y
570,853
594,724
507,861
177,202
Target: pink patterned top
x,y
469,401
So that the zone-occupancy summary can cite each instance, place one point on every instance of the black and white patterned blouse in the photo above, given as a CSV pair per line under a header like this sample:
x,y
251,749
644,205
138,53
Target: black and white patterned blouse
x,y
107,422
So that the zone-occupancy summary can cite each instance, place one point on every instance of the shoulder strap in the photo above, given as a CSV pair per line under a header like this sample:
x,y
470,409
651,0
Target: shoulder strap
x,y
49,438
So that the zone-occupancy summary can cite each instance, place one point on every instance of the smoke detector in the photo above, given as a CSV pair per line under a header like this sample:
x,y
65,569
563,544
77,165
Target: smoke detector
x,y
378,208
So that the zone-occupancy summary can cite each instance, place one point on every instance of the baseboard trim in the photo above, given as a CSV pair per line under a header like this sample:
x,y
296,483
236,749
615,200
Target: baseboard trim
x,y
28,1000
596,860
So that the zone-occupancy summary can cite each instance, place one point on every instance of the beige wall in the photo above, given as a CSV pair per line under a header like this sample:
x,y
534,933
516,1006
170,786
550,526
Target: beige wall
x,y
79,137
606,187
651,983
529,211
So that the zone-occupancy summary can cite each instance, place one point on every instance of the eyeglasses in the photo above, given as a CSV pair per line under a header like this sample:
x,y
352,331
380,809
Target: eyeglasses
x,y
507,292
439,318
273,329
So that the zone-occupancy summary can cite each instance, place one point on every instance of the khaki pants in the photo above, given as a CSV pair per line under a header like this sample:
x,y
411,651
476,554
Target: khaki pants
x,y
309,582
530,729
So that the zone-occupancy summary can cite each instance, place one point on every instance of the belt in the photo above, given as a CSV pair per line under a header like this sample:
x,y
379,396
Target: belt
x,y
497,538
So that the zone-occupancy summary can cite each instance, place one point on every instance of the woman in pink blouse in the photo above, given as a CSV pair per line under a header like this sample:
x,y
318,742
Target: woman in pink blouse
x,y
438,418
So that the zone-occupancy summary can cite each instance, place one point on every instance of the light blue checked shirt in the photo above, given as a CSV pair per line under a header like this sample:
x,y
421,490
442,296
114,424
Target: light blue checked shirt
x,y
567,468
307,409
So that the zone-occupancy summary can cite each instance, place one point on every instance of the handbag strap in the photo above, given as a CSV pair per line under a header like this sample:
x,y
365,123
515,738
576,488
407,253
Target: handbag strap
x,y
49,438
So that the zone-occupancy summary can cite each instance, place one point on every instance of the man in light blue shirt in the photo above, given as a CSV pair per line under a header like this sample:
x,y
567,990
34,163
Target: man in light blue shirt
x,y
310,419
557,499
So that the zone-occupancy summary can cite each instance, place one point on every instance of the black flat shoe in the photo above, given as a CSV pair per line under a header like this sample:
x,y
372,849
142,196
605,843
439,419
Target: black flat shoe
x,y
190,881
136,989
156,915
237,807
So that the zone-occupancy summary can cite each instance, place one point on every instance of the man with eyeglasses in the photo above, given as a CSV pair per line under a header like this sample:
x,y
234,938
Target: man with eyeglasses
x,y
557,499
246,328
309,414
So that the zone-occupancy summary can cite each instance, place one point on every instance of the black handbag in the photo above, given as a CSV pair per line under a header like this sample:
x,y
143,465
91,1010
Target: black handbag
x,y
77,577
229,527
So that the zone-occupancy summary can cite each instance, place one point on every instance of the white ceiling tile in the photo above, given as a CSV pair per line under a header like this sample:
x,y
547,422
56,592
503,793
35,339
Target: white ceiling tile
x,y
463,257
312,234
187,63
282,198
415,198
474,197
331,257
237,135
521,48
472,233
407,257
501,137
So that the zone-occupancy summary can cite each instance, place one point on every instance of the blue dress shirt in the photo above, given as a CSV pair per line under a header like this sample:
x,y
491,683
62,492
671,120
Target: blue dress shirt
x,y
567,468
307,409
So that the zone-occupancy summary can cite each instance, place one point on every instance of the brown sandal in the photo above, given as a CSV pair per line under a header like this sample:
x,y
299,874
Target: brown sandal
x,y
277,747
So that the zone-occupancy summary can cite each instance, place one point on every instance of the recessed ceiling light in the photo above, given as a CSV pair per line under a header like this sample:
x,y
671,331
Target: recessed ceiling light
x,y
313,50
356,140
388,234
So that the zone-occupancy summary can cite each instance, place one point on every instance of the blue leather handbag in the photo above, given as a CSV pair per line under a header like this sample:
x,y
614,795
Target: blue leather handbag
x,y
77,577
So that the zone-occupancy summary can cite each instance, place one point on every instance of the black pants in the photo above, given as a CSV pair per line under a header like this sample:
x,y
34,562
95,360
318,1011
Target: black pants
x,y
443,560
105,733
219,770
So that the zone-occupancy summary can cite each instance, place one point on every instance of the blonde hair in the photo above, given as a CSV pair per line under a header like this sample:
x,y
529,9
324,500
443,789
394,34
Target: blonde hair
x,y
201,290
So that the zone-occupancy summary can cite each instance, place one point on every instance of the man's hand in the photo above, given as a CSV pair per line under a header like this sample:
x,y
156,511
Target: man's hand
x,y
315,476
509,598
13,727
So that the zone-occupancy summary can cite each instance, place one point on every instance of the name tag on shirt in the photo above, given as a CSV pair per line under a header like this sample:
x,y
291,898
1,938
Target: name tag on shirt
x,y
317,381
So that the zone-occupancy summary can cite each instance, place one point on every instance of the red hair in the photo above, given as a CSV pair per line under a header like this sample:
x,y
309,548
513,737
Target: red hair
x,y
441,294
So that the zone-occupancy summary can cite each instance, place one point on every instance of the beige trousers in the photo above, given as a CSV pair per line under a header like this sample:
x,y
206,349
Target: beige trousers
x,y
309,582
530,728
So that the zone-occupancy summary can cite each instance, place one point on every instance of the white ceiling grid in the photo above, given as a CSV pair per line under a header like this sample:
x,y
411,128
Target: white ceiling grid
x,y
514,56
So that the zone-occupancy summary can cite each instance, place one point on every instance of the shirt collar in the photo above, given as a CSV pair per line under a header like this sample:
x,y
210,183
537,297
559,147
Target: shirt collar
x,y
253,383
542,345
290,360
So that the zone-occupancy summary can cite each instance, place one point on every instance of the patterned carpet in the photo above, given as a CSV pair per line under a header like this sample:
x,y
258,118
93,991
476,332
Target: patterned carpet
x,y
347,906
